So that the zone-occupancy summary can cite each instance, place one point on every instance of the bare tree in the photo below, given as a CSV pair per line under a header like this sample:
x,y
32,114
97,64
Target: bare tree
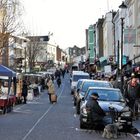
x,y
33,51
10,12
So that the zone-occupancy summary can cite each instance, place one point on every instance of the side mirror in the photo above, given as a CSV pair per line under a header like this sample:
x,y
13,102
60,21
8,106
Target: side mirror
x,y
78,90
83,99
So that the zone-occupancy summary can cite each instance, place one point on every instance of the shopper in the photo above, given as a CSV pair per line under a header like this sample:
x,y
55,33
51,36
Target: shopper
x,y
51,90
24,91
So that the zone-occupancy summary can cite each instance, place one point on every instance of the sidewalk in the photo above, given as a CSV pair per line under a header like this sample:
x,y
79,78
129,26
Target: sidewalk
x,y
137,124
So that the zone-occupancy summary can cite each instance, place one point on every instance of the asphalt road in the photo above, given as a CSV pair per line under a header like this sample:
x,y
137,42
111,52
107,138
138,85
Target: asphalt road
x,y
40,120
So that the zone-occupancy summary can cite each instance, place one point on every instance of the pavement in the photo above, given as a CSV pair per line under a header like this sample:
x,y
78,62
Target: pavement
x,y
137,124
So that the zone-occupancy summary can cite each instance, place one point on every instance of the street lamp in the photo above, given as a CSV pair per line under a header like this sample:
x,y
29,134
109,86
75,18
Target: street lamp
x,y
122,11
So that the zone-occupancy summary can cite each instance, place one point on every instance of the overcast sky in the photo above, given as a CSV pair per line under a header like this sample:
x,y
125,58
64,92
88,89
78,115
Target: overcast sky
x,y
66,19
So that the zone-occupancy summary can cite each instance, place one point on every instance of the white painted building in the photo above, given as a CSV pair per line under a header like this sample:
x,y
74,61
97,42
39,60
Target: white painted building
x,y
116,21
47,53
131,28
108,35
129,25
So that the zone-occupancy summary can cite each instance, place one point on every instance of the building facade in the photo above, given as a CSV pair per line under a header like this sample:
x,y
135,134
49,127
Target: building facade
x,y
108,40
92,43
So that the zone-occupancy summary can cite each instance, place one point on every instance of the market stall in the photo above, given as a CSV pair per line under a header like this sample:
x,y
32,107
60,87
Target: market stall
x,y
7,89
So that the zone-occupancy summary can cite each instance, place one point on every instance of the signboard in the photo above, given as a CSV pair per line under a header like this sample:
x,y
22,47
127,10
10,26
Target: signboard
x,y
107,69
129,36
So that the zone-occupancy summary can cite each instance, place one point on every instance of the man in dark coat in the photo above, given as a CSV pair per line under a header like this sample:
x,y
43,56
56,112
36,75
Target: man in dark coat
x,y
133,95
24,91
97,113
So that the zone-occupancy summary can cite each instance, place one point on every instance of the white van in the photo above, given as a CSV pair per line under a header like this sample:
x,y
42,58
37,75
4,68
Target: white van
x,y
76,75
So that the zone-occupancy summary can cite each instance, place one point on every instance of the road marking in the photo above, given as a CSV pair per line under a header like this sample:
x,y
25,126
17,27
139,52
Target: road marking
x,y
132,136
84,130
34,102
30,131
22,112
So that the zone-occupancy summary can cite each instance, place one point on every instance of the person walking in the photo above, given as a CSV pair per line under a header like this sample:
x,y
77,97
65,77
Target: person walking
x,y
24,91
58,82
133,95
63,73
51,90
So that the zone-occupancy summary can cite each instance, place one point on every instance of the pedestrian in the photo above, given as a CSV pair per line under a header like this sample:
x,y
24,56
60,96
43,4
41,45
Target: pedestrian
x,y
42,83
35,89
24,91
63,73
57,74
51,90
95,112
133,95
58,82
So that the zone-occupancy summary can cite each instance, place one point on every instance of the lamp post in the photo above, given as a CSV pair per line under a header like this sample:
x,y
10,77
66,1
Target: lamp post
x,y
122,8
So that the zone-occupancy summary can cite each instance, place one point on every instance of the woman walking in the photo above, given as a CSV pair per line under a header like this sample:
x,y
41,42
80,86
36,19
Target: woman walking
x,y
51,90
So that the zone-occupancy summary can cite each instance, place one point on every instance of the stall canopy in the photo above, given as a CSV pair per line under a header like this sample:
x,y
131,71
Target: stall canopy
x,y
4,71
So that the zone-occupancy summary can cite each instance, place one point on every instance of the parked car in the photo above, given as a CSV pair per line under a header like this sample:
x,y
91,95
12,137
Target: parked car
x,y
79,83
76,75
84,87
108,98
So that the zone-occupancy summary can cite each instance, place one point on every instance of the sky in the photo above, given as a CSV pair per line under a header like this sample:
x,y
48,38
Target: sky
x,y
66,19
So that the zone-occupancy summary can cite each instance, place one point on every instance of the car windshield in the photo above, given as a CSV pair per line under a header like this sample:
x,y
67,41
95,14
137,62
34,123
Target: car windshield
x,y
79,84
106,95
77,77
86,85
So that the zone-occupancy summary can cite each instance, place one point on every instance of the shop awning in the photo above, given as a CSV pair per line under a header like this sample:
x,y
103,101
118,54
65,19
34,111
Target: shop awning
x,y
5,71
102,59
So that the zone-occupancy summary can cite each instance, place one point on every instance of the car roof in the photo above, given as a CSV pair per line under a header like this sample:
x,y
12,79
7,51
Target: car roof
x,y
81,80
101,81
77,72
104,88
80,73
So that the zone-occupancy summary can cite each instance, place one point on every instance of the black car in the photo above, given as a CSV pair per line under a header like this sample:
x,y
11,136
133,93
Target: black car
x,y
109,98
84,87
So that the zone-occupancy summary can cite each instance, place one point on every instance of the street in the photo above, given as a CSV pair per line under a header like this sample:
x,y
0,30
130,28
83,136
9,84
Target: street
x,y
40,120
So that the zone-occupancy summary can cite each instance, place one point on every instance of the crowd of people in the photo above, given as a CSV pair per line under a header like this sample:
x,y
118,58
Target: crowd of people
x,y
46,82
130,89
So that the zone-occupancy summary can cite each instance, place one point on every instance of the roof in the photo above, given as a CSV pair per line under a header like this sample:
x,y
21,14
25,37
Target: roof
x,y
80,73
82,80
5,71
104,88
101,81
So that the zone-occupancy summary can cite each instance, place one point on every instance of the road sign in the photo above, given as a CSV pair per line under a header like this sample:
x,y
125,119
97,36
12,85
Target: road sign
x,y
129,36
